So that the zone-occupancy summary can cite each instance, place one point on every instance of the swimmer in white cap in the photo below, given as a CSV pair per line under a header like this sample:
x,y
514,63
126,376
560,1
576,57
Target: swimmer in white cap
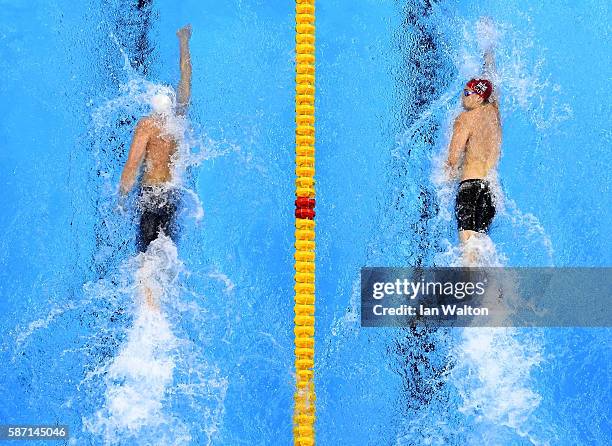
x,y
153,147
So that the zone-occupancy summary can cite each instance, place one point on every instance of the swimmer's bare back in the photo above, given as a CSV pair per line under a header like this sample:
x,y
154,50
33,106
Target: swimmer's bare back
x,y
158,157
156,150
479,131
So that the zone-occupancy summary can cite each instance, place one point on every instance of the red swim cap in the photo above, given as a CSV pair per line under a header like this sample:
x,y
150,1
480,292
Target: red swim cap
x,y
482,87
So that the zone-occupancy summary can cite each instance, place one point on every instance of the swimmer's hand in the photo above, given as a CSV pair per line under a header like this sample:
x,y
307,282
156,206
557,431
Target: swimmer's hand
x,y
126,183
121,205
184,32
487,34
450,173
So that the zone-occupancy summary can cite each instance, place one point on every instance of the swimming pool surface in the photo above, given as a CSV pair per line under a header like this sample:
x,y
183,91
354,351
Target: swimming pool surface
x,y
217,367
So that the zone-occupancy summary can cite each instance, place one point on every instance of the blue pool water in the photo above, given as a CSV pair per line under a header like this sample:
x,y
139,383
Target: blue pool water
x,y
217,367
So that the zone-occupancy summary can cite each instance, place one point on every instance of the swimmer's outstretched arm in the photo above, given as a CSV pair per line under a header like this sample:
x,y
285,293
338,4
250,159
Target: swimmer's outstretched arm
x,y
490,72
135,157
488,67
456,146
184,87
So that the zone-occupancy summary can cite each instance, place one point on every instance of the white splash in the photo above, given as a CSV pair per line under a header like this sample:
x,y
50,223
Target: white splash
x,y
488,34
524,86
137,382
138,378
154,367
493,376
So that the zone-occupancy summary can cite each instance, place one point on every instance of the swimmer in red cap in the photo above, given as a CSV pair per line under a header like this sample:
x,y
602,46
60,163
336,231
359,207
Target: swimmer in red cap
x,y
473,153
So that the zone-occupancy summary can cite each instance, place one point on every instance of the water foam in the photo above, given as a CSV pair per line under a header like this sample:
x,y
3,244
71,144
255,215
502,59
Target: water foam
x,y
137,381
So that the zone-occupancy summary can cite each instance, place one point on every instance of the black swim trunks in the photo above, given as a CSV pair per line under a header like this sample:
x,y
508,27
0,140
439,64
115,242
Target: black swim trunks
x,y
158,205
474,208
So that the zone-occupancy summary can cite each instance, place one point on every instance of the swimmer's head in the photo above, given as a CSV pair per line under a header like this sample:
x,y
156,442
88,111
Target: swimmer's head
x,y
476,92
161,103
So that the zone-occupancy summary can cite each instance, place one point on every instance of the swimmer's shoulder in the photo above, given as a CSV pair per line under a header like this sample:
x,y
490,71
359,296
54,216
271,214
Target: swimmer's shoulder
x,y
492,106
465,120
478,114
146,122
492,111
148,125
462,118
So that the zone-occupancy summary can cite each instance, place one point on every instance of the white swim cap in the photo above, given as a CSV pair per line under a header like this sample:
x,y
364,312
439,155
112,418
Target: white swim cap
x,y
161,103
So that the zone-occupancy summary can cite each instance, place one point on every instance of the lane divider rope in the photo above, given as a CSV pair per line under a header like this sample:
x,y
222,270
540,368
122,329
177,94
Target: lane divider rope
x,y
304,399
